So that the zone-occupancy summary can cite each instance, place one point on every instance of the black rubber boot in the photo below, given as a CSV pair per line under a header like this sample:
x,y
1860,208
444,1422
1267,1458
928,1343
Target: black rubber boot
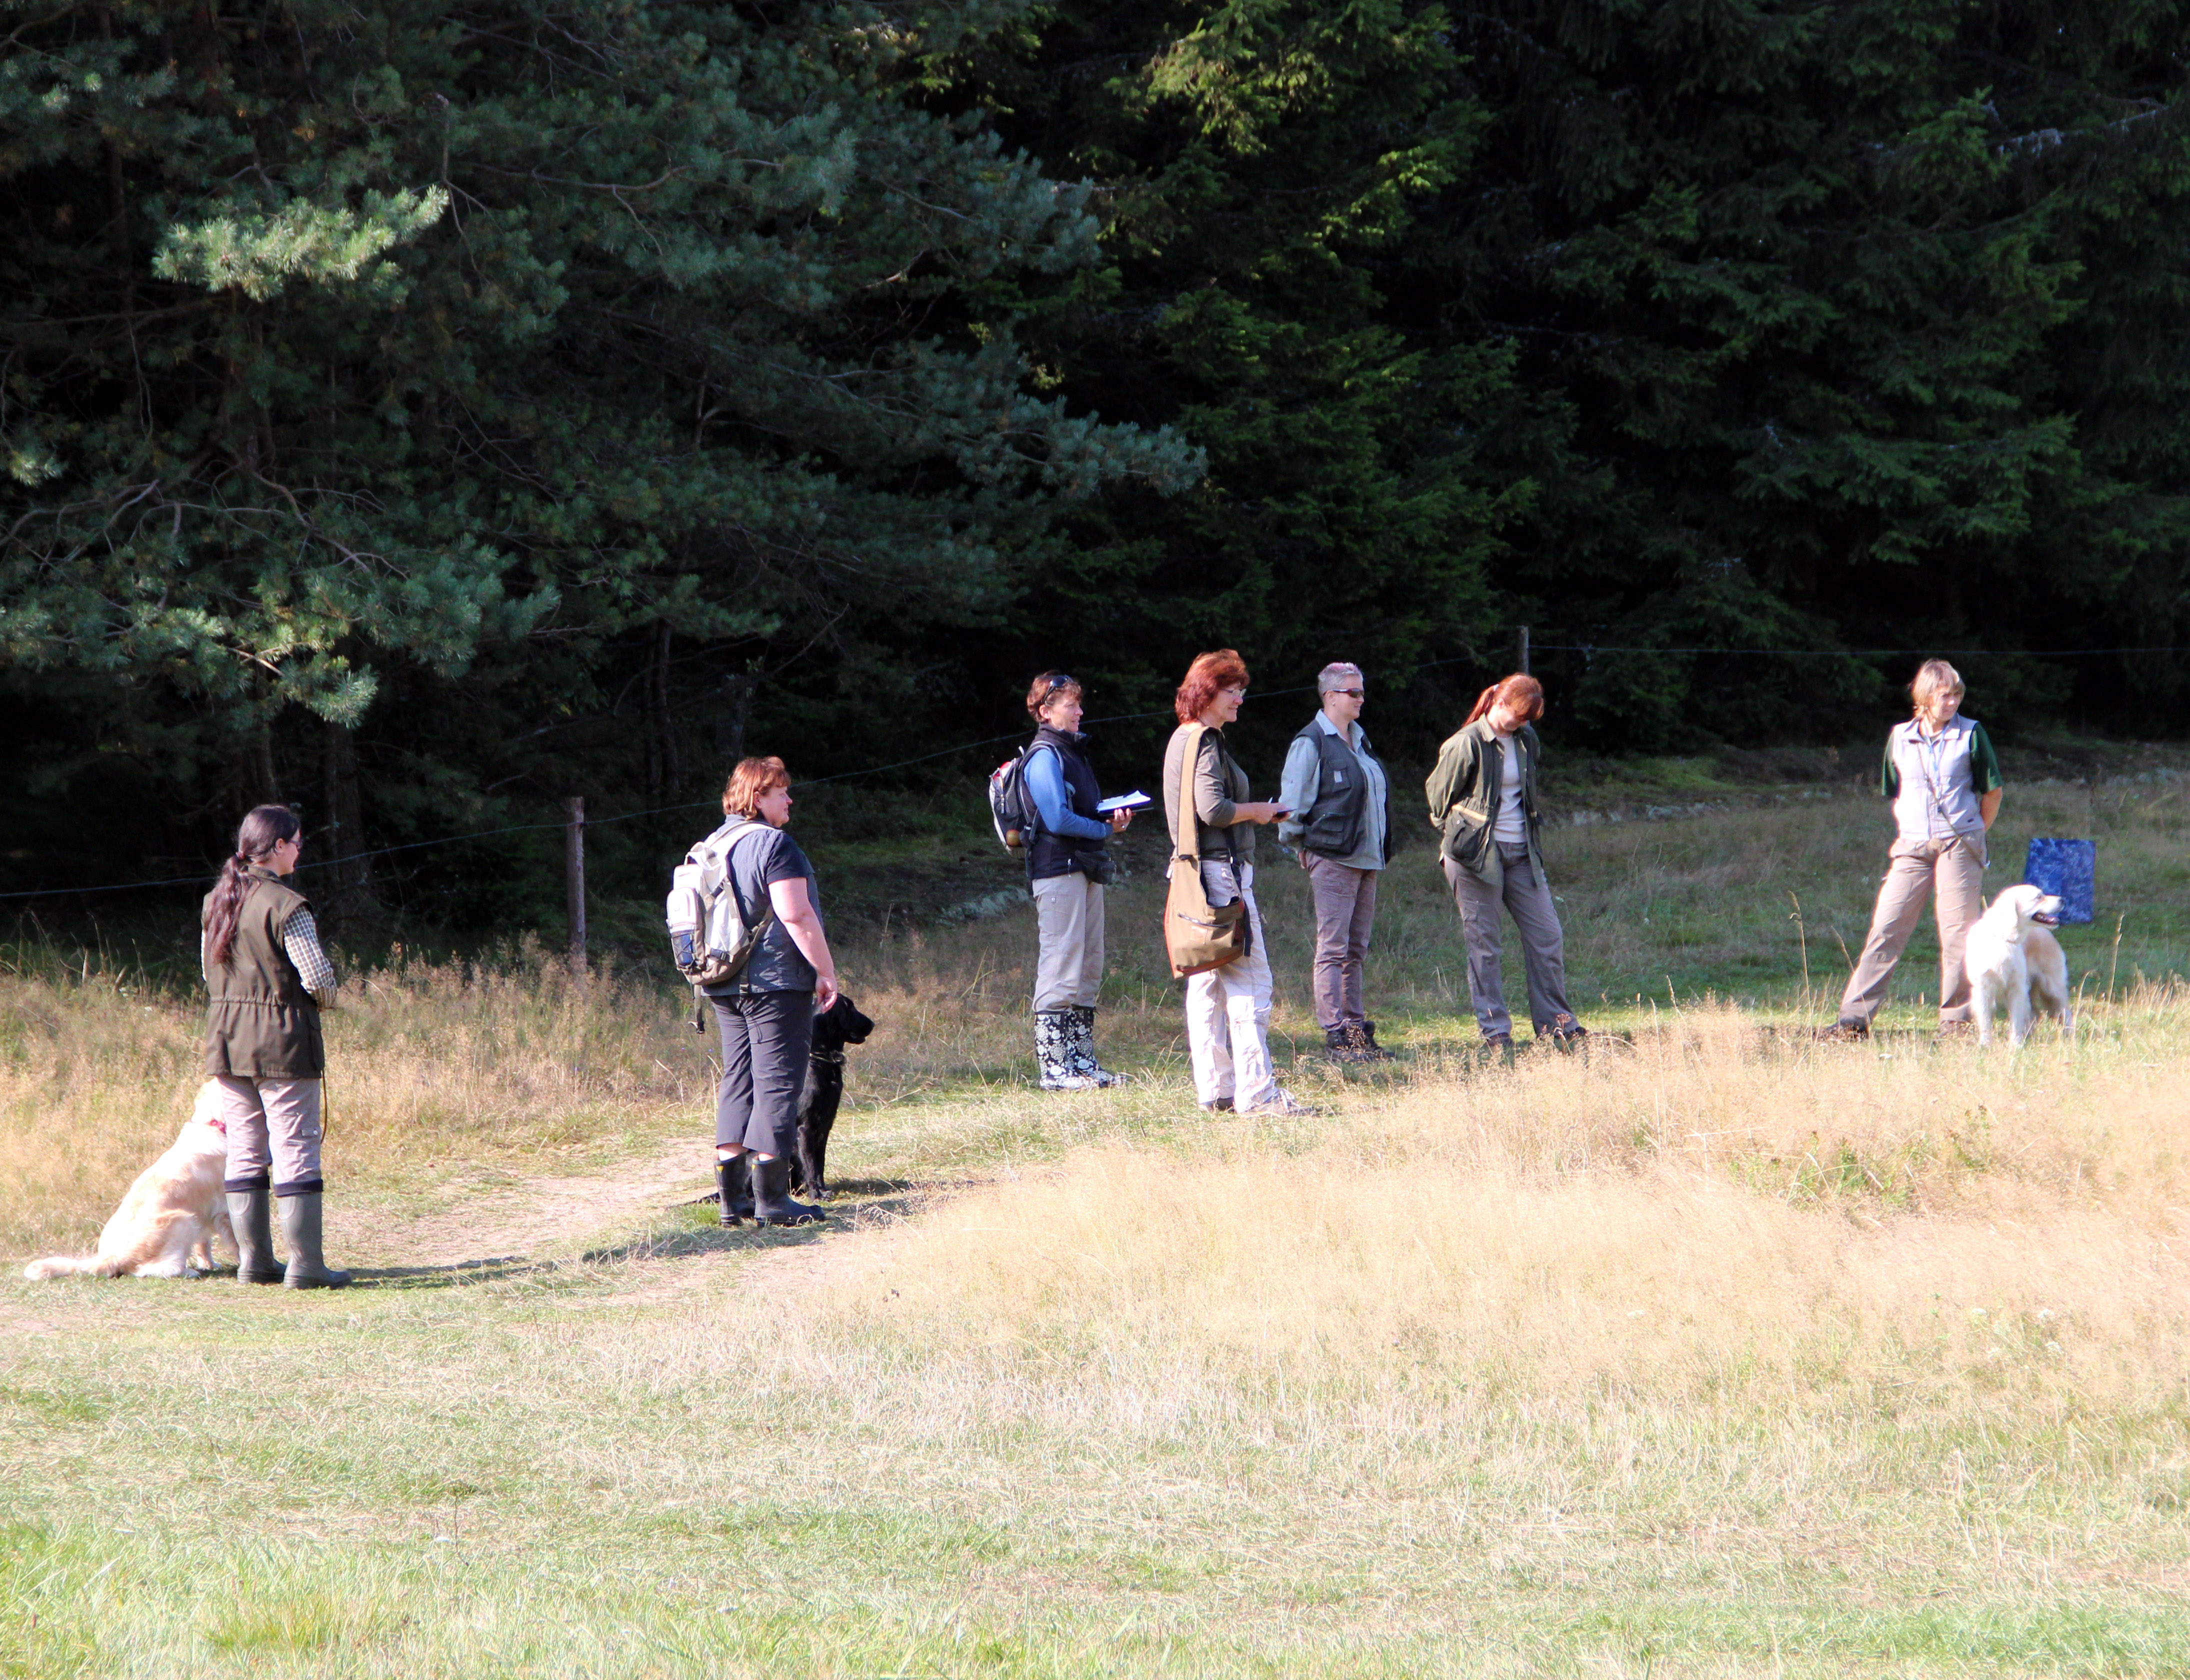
x,y
300,1229
734,1192
772,1202
251,1216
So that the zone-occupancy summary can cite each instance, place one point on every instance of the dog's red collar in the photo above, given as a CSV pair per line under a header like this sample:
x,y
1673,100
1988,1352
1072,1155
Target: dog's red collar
x,y
218,1124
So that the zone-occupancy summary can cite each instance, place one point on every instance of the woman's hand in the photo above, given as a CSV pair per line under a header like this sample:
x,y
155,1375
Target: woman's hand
x,y
1260,810
825,993
1119,819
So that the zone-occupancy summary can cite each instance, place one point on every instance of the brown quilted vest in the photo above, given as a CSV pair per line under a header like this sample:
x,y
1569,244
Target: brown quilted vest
x,y
262,1024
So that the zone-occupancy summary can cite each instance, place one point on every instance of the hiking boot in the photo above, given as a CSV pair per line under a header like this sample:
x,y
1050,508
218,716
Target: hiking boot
x,y
1498,1043
1845,1032
1080,1054
1565,1031
300,1230
1341,1043
1217,1105
1054,1032
1952,1032
250,1220
733,1195
1365,1036
772,1202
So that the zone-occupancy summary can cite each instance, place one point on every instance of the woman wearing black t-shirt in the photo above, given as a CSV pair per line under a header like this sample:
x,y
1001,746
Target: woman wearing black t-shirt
x,y
767,1011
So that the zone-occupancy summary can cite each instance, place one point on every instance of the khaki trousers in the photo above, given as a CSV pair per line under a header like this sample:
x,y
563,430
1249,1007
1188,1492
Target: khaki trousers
x,y
1528,897
273,1125
1953,875
1067,911
1345,908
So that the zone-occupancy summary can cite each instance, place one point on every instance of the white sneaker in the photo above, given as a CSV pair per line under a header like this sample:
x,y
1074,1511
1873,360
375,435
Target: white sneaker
x,y
1282,1101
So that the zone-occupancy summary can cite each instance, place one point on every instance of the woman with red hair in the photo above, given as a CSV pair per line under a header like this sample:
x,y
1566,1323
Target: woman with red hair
x,y
1483,802
1228,1009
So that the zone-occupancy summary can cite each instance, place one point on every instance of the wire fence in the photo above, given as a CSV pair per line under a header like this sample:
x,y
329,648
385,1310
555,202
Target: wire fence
x,y
1586,648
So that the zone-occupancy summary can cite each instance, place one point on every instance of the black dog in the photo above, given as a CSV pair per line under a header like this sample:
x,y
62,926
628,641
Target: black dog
x,y
840,1024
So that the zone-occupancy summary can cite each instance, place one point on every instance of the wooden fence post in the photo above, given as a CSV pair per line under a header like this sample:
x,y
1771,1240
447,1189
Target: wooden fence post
x,y
574,870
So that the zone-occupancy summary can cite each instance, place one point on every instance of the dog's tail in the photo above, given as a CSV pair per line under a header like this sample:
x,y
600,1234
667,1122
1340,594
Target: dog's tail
x,y
61,1266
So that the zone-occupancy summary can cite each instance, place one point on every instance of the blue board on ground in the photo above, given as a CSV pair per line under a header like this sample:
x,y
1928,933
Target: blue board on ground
x,y
2069,870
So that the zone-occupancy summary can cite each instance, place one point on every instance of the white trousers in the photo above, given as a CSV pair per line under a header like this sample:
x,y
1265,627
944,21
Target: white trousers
x,y
1228,1009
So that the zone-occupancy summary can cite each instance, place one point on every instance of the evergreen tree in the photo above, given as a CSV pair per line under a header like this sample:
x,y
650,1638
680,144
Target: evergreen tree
x,y
432,353
1818,352
1260,164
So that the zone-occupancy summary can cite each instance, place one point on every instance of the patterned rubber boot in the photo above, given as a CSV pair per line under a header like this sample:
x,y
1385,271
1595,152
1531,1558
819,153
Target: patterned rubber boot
x,y
1082,1057
1053,1035
1366,1041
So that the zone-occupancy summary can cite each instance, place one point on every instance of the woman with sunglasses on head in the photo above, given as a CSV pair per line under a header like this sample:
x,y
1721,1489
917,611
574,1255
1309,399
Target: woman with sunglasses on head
x,y
1067,868
1483,803
1228,1009
269,978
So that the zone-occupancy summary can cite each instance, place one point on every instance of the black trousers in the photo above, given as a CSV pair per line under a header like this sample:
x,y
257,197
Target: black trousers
x,y
766,1035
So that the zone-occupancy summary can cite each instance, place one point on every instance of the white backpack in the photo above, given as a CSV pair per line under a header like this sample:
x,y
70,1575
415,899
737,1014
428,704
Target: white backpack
x,y
708,935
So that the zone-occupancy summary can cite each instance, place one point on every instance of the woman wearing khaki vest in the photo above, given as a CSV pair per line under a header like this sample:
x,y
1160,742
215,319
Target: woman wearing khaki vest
x,y
268,978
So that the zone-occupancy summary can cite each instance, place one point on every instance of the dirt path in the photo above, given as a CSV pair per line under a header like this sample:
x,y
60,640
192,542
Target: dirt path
x,y
511,1221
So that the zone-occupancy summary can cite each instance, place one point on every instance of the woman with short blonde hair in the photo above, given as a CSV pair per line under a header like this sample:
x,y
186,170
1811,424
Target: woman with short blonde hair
x,y
1944,778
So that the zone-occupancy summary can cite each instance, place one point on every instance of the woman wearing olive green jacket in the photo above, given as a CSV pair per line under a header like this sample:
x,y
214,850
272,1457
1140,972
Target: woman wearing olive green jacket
x,y
1483,803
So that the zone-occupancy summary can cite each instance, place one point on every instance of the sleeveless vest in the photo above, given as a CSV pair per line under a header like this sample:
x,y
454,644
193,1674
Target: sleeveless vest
x,y
1336,822
1938,795
1054,854
262,1024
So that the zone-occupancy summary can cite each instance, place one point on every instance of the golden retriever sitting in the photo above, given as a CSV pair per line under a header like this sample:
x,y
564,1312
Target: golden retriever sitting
x,y
165,1226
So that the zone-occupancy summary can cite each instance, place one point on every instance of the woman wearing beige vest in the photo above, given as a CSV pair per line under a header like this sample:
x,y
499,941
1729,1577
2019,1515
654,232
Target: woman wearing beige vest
x,y
1944,779
268,978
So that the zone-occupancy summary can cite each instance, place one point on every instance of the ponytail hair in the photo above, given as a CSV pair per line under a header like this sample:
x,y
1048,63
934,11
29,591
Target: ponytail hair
x,y
1520,690
255,837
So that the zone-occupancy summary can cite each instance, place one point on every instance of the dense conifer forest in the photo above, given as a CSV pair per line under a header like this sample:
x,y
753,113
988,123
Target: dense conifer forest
x,y
424,413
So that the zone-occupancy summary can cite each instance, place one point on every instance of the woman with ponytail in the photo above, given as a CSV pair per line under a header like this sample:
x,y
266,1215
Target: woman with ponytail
x,y
268,978
1483,803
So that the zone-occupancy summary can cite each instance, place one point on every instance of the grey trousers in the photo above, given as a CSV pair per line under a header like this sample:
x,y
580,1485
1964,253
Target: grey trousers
x,y
1068,912
1951,874
273,1130
1528,895
1345,906
766,1035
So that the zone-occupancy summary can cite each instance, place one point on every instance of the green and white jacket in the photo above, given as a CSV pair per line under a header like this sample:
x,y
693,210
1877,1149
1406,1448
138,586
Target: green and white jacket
x,y
1463,789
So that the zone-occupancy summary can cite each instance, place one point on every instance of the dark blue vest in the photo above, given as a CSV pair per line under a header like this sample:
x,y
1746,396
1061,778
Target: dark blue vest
x,y
1052,855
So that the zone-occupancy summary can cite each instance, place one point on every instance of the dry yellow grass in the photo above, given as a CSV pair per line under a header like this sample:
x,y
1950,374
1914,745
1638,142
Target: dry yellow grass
x,y
1717,1215
469,1066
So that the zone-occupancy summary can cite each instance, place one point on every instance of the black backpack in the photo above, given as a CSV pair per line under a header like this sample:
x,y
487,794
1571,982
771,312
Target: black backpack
x,y
1011,808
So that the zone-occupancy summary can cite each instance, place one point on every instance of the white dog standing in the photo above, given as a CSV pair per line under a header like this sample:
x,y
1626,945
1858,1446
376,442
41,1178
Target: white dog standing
x,y
167,1221
2012,960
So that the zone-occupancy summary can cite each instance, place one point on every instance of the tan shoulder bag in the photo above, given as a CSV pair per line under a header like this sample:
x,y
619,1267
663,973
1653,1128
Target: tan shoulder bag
x,y
1198,935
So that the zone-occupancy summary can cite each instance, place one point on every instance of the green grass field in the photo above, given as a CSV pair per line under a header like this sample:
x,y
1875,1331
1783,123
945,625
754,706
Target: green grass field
x,y
1709,1352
